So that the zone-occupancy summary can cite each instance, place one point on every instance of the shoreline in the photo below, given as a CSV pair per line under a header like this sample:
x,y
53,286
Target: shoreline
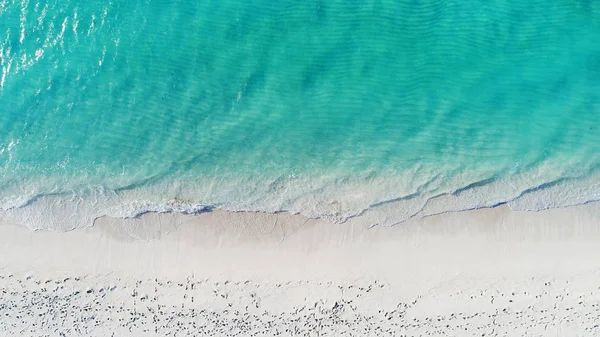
x,y
473,262
64,211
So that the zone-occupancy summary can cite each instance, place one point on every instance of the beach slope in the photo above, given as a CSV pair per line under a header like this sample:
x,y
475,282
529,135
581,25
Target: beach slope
x,y
488,272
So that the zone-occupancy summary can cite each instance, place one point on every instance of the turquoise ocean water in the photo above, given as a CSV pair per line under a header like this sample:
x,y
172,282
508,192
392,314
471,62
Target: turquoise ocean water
x,y
330,108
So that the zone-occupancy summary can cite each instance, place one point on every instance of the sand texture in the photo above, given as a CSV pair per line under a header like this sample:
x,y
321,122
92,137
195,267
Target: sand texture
x,y
491,272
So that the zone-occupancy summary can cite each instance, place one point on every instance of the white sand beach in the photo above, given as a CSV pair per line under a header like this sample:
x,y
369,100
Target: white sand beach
x,y
489,272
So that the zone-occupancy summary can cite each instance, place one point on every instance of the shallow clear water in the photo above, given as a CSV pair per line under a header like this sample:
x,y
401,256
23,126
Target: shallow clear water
x,y
325,108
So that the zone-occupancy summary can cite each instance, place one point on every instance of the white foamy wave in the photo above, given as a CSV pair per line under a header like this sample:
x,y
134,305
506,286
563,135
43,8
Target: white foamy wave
x,y
560,193
378,199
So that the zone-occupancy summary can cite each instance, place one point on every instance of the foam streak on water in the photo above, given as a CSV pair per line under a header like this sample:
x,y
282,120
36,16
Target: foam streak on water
x,y
332,109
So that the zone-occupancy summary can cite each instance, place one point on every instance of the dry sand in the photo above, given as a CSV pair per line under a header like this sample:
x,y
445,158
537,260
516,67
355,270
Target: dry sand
x,y
490,272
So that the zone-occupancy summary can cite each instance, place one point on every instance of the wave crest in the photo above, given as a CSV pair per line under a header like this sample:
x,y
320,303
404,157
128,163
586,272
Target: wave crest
x,y
378,199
